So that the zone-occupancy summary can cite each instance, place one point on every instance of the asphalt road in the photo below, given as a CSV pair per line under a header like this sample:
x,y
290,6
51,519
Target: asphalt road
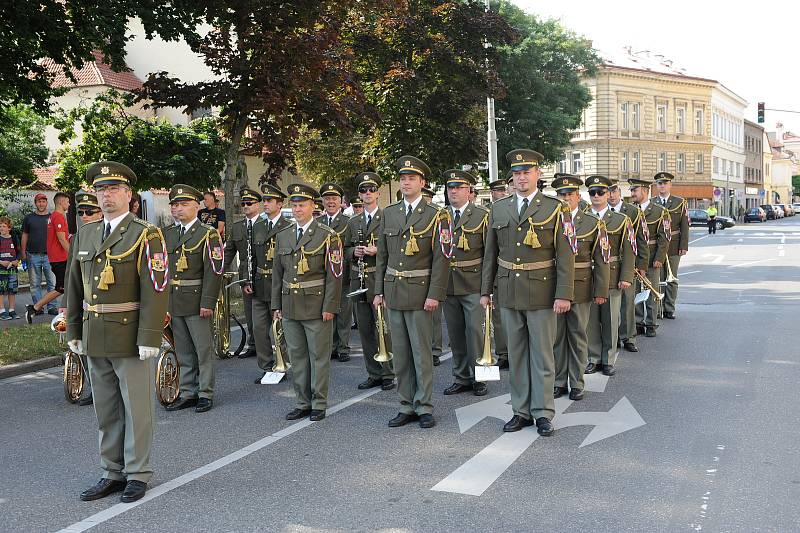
x,y
698,431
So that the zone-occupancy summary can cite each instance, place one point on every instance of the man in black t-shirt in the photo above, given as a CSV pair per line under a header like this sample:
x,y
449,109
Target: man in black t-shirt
x,y
34,250
211,214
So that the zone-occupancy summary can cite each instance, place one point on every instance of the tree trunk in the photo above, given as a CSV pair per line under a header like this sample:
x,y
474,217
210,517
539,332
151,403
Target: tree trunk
x,y
230,185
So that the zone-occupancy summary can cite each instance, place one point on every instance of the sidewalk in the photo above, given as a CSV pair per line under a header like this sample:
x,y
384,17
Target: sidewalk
x,y
24,298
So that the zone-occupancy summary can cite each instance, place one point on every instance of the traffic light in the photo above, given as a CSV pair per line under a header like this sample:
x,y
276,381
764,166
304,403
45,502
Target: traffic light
x,y
731,193
761,112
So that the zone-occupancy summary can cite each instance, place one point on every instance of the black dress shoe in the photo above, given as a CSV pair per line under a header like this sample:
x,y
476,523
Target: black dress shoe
x,y
134,490
669,314
576,395
544,427
640,329
344,357
86,400
387,384
369,383
503,364
103,488
516,423
456,388
30,312
591,368
558,392
317,415
609,370
334,355
203,405
650,331
402,419
479,388
426,421
436,360
181,403
297,414
251,352
630,346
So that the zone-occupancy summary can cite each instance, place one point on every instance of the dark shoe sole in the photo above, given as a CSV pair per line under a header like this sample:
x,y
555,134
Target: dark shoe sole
x,y
388,386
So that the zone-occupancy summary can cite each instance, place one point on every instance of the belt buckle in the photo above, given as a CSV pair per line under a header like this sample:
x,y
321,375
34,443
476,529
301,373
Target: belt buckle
x,y
91,308
400,274
517,267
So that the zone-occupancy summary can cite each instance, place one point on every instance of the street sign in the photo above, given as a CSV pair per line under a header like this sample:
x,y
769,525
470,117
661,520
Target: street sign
x,y
717,192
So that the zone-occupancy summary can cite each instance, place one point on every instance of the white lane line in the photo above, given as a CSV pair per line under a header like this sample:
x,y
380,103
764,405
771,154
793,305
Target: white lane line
x,y
699,239
687,274
752,262
118,509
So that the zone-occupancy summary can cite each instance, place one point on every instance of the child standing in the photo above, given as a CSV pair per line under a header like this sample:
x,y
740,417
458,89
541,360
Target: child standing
x,y
9,259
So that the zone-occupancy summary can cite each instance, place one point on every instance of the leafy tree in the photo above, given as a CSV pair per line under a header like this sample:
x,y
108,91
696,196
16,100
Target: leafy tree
x,y
22,145
67,31
160,153
542,74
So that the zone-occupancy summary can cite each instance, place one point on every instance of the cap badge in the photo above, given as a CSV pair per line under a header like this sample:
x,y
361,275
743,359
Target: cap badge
x,y
104,170
408,163
519,157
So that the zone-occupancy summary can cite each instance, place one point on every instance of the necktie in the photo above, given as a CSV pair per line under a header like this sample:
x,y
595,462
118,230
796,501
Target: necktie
x,y
182,231
299,234
408,214
369,219
457,217
270,226
330,221
524,207
107,231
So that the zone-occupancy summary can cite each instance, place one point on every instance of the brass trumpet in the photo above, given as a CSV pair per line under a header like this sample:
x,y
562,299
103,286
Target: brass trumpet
x,y
383,355
486,358
277,333
670,278
168,371
646,282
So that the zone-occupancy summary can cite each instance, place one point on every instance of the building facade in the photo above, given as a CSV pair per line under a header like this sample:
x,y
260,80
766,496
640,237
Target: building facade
x,y
753,165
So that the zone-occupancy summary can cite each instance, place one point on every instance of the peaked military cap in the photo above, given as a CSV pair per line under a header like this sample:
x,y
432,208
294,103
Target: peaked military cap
x,y
271,191
409,164
597,181
368,178
428,192
523,159
357,203
566,182
541,184
636,182
663,176
184,192
109,173
300,191
614,184
86,199
318,205
246,193
459,177
331,189
498,185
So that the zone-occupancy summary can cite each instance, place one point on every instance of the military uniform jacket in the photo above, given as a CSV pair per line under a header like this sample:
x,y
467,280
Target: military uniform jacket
x,y
132,279
265,247
237,243
657,241
371,236
469,237
591,268
186,295
340,225
307,274
679,224
542,225
408,248
619,229
637,219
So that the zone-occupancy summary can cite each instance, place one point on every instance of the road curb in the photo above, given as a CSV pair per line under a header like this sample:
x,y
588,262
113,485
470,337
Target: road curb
x,y
17,369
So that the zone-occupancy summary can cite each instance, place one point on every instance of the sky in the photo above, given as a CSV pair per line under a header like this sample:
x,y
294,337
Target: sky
x,y
751,48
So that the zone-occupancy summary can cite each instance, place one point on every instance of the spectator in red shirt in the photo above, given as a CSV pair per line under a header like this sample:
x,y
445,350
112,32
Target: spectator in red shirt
x,y
57,253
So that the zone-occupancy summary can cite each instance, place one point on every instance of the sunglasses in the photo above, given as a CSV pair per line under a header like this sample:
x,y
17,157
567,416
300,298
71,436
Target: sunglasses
x,y
597,192
368,188
87,212
247,204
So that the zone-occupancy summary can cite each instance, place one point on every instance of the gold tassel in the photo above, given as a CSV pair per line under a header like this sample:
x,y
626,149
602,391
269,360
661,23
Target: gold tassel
x,y
183,264
531,239
271,250
411,246
463,243
302,266
106,276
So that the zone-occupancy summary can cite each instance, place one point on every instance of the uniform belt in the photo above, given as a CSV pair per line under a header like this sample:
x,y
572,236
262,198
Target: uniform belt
x,y
525,266
652,242
613,259
367,270
470,263
304,284
409,273
675,232
111,308
264,271
186,282
586,264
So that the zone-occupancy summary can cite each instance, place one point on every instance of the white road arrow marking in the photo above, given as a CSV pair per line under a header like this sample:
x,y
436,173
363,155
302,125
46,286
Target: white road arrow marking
x,y
621,418
717,258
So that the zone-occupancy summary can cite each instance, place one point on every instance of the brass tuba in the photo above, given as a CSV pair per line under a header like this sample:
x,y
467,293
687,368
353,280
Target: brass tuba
x,y
383,355
168,371
486,358
74,379
281,365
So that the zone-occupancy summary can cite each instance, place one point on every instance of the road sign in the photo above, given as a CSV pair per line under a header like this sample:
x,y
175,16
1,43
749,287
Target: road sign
x,y
717,192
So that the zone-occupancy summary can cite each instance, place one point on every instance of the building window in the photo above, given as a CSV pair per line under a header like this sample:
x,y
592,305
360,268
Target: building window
x,y
635,163
698,163
661,118
698,121
680,163
635,117
662,162
738,170
680,119
624,118
577,166
624,162
562,165
716,165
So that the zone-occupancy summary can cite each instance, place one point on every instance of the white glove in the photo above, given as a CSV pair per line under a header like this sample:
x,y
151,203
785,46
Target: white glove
x,y
76,346
147,352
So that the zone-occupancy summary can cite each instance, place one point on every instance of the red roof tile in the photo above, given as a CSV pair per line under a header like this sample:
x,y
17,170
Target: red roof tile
x,y
45,179
93,73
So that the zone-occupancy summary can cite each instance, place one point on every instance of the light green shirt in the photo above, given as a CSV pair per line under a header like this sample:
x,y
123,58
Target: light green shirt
x,y
712,211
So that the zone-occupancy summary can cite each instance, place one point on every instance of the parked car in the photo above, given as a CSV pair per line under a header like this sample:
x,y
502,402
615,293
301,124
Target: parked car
x,y
787,209
772,211
755,214
796,207
698,217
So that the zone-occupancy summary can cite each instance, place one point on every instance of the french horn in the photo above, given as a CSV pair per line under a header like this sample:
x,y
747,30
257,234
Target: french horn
x,y
74,373
168,370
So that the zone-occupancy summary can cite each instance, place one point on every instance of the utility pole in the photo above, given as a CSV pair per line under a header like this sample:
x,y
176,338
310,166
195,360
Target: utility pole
x,y
491,132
